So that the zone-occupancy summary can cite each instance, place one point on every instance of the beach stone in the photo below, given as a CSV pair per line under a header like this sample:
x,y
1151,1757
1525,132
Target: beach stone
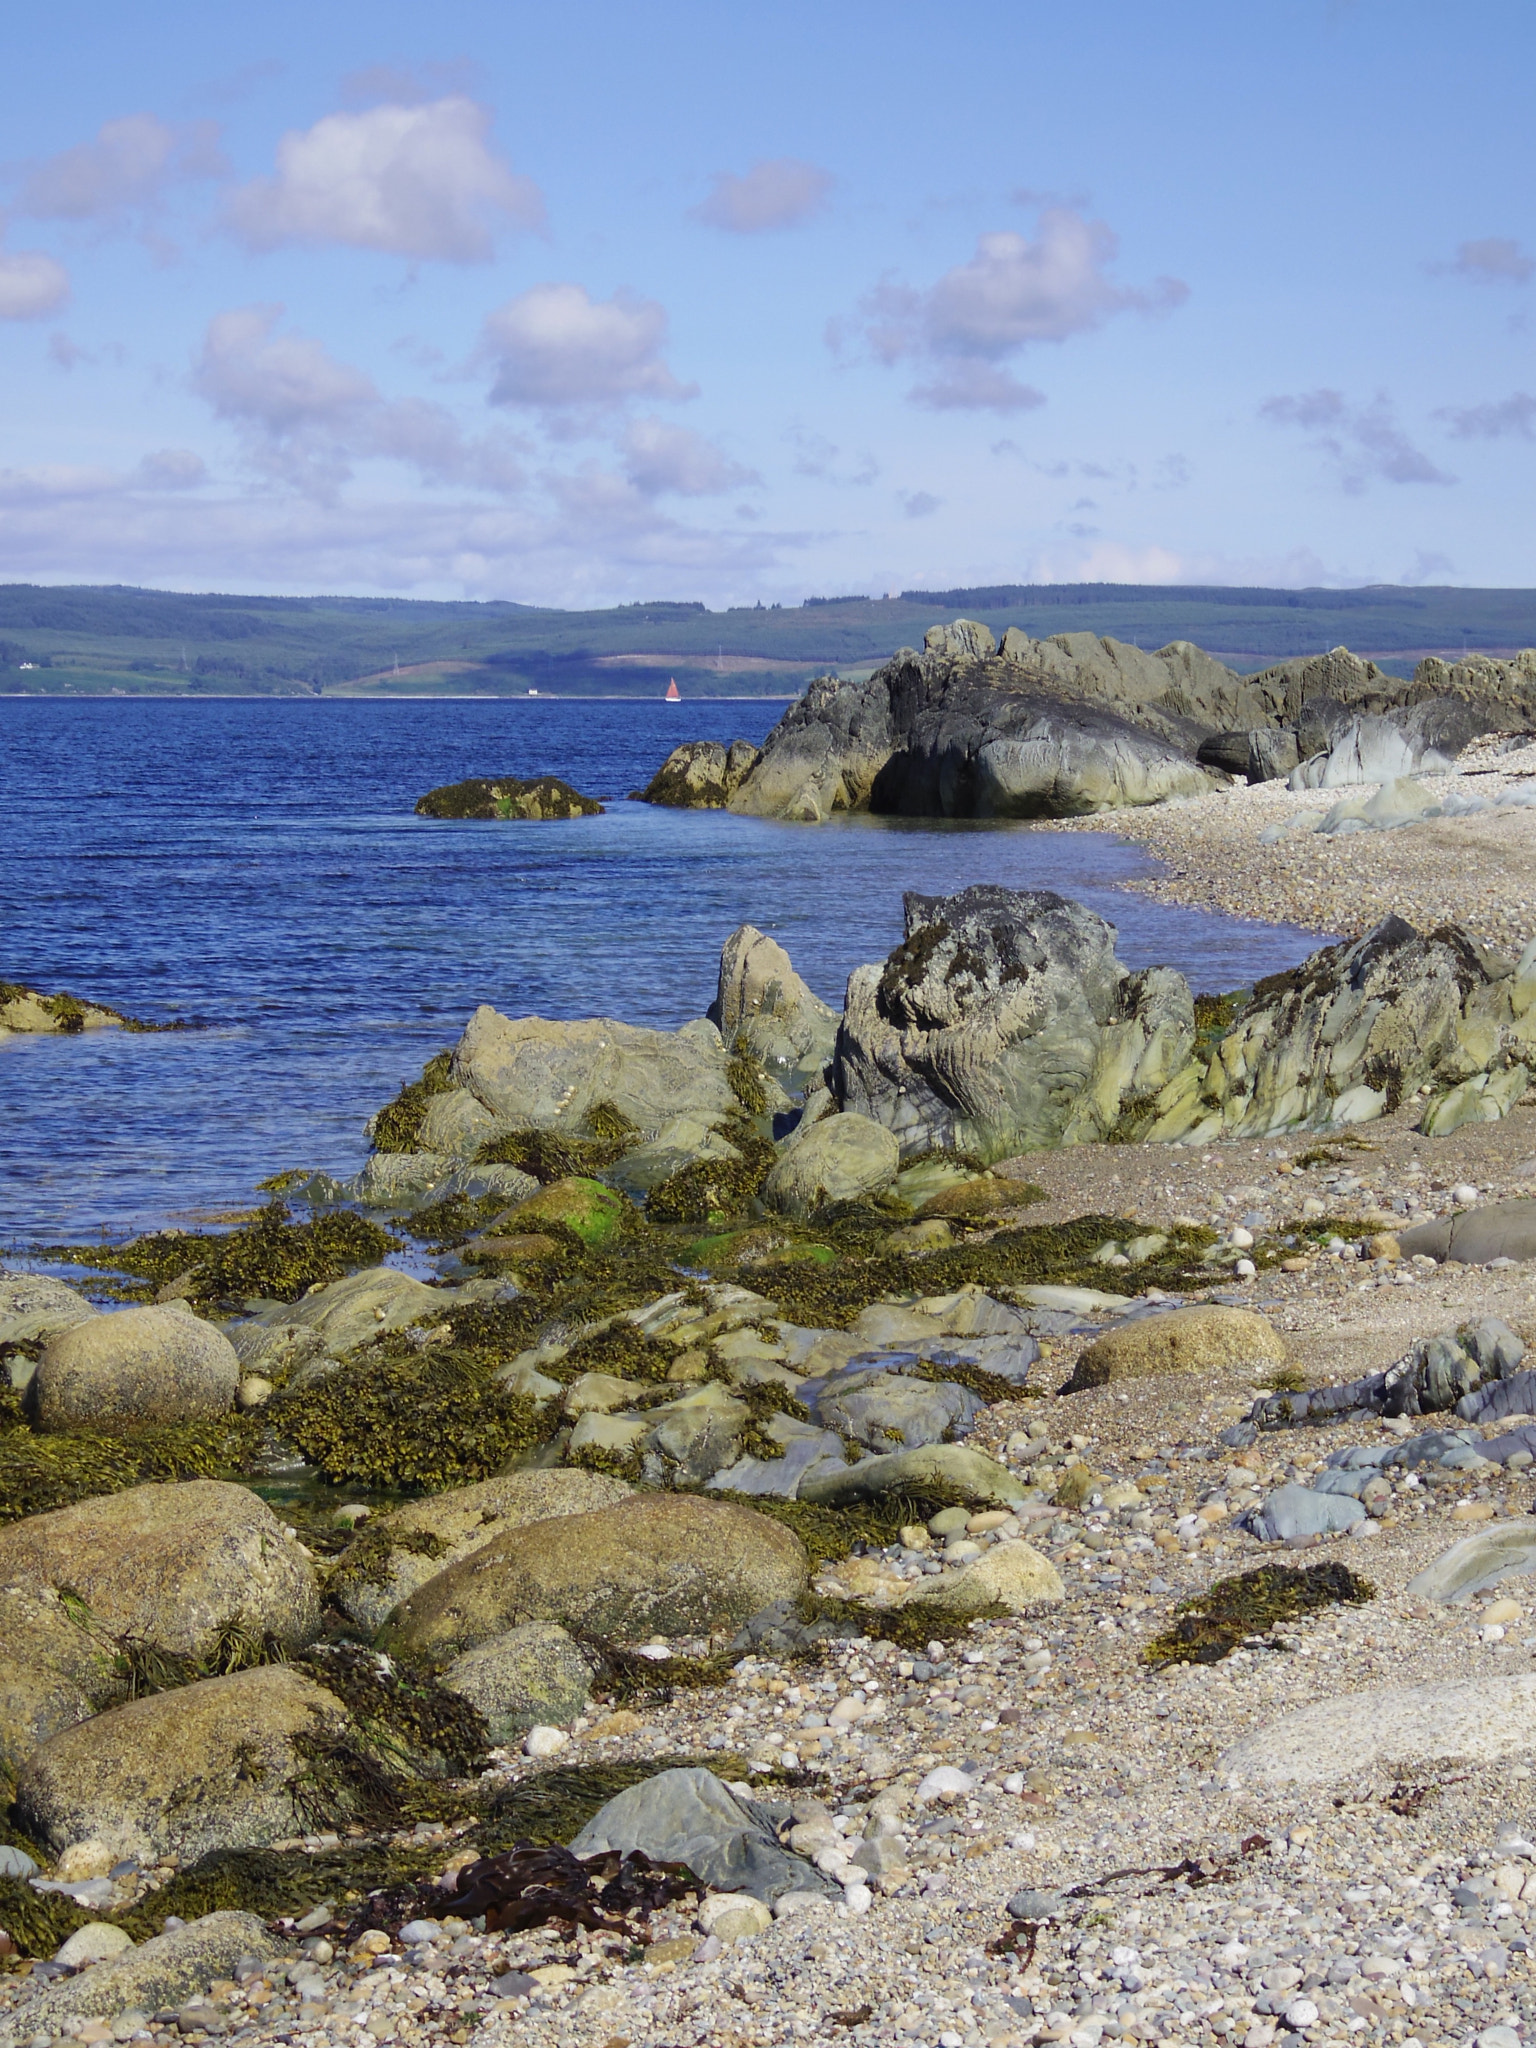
x,y
1476,1721
671,1564
401,1550
530,1677
1012,1575
764,1009
34,1305
734,1916
54,1671
137,1365
837,1160
1292,1513
1205,1339
181,1773
1499,1230
93,1943
691,1816
170,1565
977,1478
150,1977
538,1074
594,1212
1476,1563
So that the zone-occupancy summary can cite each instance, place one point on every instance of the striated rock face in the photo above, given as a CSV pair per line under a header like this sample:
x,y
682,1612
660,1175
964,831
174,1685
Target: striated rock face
x,y
765,1009
700,775
1005,1023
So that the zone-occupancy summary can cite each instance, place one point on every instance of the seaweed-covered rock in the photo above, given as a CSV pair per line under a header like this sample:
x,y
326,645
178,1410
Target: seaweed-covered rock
x,y
947,1470
138,1365
1003,1023
530,1677
700,775
504,796
34,1305
55,1670
594,1212
210,1766
538,1074
1205,1338
336,1319
667,1563
173,1567
400,1551
28,1010
167,1970
763,1007
837,1160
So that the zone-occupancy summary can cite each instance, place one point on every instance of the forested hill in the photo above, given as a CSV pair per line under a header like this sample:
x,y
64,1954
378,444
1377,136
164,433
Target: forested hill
x,y
112,640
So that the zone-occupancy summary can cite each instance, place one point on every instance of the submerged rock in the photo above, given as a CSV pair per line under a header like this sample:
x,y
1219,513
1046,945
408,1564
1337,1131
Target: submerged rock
x,y
137,1365
483,796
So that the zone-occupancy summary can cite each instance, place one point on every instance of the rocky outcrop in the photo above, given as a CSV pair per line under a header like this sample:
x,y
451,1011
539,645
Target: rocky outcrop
x,y
503,796
536,1074
764,1008
700,775
1004,1023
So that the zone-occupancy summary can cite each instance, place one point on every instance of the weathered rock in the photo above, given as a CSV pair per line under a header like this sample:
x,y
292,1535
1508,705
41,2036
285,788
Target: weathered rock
x,y
542,1075
336,1319
138,1365
1293,1513
885,1409
1477,1562
54,1671
765,1009
700,775
693,1817
34,1305
209,1766
171,1566
836,1160
402,1550
697,1433
1204,1339
533,1676
807,1450
504,796
1476,1721
946,1468
1471,1237
167,1970
1004,1023
1011,1575
671,1563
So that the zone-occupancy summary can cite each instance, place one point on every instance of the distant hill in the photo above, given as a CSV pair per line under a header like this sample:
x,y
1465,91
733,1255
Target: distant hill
x,y
105,640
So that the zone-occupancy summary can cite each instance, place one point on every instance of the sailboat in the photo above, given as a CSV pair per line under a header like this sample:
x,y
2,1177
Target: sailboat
x,y
674,694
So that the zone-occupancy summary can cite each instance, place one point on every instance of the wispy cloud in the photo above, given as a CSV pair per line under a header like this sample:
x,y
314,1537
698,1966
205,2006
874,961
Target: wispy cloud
x,y
1495,259
777,192
1363,442
1504,418
31,284
419,181
661,457
129,163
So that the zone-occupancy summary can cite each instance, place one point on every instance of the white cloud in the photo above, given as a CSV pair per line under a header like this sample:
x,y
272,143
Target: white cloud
x,y
31,284
1364,442
1496,259
306,418
1514,416
128,163
777,192
1013,293
660,457
556,346
417,181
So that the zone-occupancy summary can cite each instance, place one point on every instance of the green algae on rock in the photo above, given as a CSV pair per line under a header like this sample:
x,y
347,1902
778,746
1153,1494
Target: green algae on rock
x,y
504,796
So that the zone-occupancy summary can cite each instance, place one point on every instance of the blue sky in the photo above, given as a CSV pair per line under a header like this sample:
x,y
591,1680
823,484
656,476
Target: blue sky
x,y
595,303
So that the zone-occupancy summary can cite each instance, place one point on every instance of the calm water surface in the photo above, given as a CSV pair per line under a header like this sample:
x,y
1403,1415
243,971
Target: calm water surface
x,y
257,865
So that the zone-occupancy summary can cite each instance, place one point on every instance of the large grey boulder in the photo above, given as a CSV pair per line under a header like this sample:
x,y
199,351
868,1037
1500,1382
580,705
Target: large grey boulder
x,y
1471,1237
763,1007
173,1567
884,1410
1476,1721
667,1563
693,1817
169,1969
530,1677
1292,1514
700,775
1005,1023
1507,1551
401,1550
138,1365
55,1669
210,1766
838,1159
543,1075
336,1319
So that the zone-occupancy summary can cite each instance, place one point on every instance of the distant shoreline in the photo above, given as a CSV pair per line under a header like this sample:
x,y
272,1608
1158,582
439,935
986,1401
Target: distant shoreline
x,y
344,697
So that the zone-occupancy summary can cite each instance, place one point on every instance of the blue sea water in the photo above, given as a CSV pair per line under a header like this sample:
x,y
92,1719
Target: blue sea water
x,y
256,864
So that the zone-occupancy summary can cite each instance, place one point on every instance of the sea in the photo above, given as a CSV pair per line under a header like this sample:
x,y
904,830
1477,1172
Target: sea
x,y
255,867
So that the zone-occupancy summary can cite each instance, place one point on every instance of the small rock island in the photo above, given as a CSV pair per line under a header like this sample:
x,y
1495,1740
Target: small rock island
x,y
503,796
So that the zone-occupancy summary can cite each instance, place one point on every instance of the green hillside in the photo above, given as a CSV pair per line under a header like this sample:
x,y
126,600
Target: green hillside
x,y
76,640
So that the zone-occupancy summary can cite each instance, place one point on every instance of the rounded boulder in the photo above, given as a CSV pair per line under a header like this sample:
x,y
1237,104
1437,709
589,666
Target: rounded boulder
x,y
209,1766
531,1677
838,1159
138,1365
1203,1339
174,1566
657,1563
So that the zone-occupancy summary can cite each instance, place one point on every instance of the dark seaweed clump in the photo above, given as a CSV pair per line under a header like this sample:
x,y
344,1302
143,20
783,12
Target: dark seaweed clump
x,y
1244,1609
397,1126
559,1155
711,1191
38,1472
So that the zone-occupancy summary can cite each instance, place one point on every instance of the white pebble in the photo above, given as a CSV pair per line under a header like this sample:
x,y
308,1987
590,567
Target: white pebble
x,y
1464,1194
1245,1269
544,1741
1242,1239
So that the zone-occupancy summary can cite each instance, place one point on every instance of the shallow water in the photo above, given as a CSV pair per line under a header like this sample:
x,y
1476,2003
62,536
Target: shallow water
x,y
256,864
